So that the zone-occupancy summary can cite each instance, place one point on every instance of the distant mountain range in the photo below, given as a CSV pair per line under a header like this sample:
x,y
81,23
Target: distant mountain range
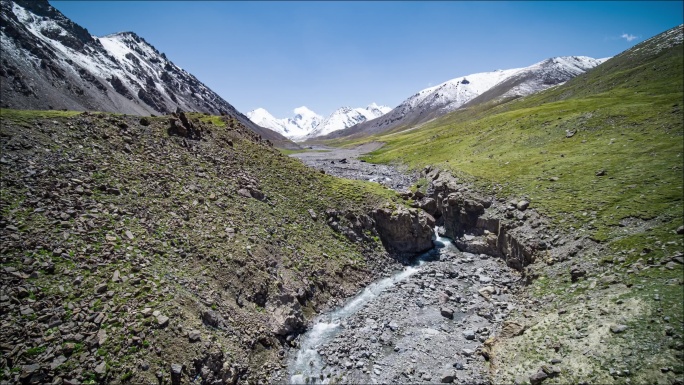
x,y
468,90
306,124
50,62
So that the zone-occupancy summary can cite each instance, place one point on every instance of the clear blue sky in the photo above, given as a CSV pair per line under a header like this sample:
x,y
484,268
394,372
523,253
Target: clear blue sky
x,y
281,55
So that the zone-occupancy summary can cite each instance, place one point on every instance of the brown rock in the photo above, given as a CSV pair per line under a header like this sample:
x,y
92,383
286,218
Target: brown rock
x,y
194,336
538,378
405,231
511,329
447,312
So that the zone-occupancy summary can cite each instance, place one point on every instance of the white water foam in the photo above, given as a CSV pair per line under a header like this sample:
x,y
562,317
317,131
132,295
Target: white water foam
x,y
307,367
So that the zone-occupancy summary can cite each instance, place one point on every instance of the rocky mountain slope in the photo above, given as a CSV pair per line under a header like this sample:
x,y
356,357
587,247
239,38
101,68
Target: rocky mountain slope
x,y
306,124
538,77
138,250
50,62
466,90
600,158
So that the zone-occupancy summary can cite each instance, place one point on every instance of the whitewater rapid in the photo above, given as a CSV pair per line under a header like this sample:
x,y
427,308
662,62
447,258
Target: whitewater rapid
x,y
307,366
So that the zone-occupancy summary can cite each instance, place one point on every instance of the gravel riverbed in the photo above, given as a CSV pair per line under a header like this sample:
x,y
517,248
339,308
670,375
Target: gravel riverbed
x,y
430,326
344,163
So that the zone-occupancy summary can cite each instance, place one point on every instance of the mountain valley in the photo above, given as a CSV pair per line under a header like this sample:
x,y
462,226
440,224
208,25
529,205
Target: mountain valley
x,y
516,226
449,96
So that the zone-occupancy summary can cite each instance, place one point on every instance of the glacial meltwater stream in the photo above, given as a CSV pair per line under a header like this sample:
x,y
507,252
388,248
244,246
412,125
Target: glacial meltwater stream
x,y
307,366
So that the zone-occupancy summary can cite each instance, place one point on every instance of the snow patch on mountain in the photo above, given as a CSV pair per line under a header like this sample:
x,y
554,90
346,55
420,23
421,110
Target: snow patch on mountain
x,y
303,122
51,62
306,124
550,72
451,95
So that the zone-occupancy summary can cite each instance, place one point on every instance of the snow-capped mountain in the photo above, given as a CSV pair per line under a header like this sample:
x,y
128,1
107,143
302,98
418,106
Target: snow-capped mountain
x,y
346,117
538,77
303,122
306,120
306,124
435,101
48,61
263,118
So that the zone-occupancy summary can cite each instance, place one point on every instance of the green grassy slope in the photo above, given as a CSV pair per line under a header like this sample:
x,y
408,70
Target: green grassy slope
x,y
602,157
85,197
632,130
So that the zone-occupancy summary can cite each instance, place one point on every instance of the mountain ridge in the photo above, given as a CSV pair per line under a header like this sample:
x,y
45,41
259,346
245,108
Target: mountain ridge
x,y
455,93
307,124
50,62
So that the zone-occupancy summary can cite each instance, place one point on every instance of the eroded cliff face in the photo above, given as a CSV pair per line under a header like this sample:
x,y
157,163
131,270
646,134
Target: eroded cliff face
x,y
404,231
484,225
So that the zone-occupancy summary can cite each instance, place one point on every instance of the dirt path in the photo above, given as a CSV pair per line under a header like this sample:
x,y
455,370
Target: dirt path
x,y
344,163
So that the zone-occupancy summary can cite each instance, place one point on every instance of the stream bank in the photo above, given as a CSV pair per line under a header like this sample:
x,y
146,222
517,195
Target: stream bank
x,y
428,323
439,323
344,163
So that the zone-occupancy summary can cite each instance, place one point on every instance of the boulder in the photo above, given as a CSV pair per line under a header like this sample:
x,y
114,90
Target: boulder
x,y
447,377
538,377
194,336
176,372
286,315
162,321
429,205
511,329
404,231
576,273
447,312
487,292
244,192
213,319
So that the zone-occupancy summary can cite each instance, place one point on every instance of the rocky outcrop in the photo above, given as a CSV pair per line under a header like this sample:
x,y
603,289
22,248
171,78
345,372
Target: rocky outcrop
x,y
180,125
287,315
213,367
355,227
483,225
404,231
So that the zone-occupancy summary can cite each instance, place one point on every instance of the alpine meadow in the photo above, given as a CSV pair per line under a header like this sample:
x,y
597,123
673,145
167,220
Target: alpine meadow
x,y
512,226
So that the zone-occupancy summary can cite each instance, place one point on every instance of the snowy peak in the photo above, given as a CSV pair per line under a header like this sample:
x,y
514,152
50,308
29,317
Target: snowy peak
x,y
373,111
304,111
51,62
346,117
442,98
264,119
305,119
453,94
306,124
539,76
260,114
299,125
